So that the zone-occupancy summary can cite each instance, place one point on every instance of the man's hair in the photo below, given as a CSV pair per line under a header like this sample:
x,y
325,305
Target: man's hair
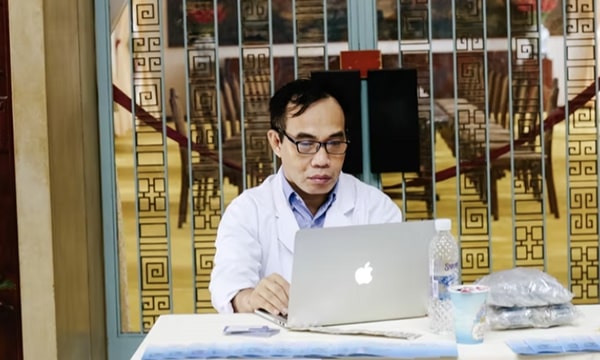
x,y
298,94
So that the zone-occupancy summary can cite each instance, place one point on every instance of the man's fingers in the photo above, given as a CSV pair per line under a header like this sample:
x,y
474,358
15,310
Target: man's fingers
x,y
283,284
264,299
280,289
274,293
279,305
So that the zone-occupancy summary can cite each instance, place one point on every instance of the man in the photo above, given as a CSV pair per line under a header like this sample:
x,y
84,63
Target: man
x,y
255,239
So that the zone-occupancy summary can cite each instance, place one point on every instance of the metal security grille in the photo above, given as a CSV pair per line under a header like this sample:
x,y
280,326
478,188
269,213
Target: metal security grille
x,y
198,76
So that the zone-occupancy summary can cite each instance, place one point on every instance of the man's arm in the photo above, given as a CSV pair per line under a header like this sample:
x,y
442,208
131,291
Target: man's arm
x,y
237,260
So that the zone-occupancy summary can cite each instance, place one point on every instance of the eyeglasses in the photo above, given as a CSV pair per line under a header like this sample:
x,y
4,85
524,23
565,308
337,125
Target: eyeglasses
x,y
333,147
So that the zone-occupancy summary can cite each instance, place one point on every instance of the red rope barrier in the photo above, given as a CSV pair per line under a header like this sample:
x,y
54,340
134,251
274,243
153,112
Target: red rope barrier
x,y
125,101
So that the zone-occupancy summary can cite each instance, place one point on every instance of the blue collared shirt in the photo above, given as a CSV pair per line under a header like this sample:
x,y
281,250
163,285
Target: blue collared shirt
x,y
303,215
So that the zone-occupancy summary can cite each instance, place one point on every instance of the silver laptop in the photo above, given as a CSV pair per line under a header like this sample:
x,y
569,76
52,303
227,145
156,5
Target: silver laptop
x,y
358,273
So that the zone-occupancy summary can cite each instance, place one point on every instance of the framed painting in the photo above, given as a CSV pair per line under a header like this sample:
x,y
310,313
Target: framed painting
x,y
201,14
468,15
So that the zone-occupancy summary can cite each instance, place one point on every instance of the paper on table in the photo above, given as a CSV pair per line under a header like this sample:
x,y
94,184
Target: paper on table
x,y
341,331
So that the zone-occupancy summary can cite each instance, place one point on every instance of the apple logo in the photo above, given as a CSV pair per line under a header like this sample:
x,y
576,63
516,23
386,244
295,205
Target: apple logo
x,y
363,274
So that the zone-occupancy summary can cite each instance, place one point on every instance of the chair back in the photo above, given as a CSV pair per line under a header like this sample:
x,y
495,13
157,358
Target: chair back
x,y
180,127
550,106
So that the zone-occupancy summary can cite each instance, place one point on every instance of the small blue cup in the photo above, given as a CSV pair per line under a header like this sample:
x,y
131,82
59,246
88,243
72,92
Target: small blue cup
x,y
469,307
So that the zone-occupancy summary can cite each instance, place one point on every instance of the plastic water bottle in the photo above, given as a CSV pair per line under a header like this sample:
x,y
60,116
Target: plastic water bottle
x,y
443,273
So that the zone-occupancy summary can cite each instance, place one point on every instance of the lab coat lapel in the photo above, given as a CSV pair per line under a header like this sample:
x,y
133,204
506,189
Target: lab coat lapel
x,y
340,213
287,226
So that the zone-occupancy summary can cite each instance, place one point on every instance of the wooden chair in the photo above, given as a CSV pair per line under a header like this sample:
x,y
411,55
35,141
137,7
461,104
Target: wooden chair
x,y
476,139
205,172
526,159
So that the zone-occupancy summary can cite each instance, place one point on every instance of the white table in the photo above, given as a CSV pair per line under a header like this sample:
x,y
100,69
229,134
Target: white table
x,y
185,329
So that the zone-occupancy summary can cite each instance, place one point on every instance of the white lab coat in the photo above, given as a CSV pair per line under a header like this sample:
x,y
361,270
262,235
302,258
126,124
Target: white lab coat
x,y
256,234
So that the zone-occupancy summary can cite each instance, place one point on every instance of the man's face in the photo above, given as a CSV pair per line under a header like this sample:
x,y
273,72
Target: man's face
x,y
311,174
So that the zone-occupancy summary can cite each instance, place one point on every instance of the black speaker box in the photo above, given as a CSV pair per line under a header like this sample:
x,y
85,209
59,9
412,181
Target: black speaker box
x,y
393,120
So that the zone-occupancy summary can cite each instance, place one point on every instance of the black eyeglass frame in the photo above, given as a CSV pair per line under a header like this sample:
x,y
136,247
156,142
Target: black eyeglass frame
x,y
318,144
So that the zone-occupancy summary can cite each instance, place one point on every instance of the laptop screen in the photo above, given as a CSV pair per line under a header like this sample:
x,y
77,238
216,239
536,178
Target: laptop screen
x,y
360,273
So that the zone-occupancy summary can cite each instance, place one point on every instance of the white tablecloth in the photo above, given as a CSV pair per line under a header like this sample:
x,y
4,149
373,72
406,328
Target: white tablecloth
x,y
186,329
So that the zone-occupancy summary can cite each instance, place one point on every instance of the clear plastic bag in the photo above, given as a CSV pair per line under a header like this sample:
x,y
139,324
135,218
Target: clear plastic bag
x,y
500,318
524,287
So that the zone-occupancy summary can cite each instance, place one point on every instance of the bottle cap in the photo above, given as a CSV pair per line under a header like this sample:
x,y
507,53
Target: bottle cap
x,y
443,224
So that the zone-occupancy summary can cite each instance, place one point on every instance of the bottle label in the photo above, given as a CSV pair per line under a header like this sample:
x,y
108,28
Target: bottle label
x,y
451,266
441,284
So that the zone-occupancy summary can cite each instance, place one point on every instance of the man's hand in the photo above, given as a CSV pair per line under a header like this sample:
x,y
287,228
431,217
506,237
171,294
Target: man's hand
x,y
271,294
